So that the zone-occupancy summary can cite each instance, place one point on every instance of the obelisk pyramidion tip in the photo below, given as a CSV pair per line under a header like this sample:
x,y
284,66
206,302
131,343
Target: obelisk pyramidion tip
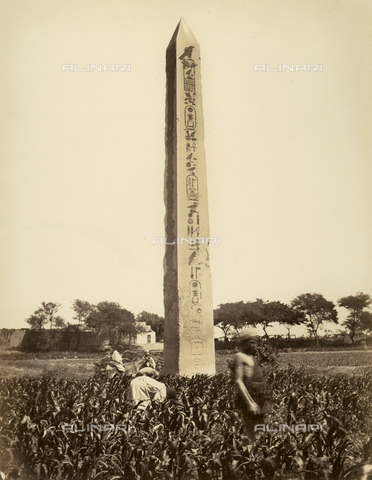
x,y
183,31
186,28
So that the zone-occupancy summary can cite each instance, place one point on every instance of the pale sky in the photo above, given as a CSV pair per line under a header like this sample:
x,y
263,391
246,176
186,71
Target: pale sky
x,y
82,163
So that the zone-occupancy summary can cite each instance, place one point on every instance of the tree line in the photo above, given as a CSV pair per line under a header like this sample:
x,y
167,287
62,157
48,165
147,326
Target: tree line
x,y
309,309
110,320
107,319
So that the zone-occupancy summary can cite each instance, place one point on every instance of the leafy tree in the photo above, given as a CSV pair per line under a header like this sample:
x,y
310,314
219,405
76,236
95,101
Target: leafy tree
x,y
82,310
59,322
44,314
231,317
271,312
264,314
112,321
155,321
222,318
357,305
316,310
36,321
251,313
49,310
366,322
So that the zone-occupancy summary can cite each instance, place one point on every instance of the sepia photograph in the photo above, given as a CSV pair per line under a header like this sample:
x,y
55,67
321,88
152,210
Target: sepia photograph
x,y
186,224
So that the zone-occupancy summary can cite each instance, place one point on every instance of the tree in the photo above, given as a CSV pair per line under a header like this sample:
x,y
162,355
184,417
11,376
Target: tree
x,y
272,312
222,319
316,310
49,310
44,314
230,317
366,322
251,313
82,310
112,321
155,321
59,322
357,305
254,313
36,321
131,330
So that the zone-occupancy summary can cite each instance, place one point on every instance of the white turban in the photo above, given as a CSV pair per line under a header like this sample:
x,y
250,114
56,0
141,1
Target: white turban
x,y
247,333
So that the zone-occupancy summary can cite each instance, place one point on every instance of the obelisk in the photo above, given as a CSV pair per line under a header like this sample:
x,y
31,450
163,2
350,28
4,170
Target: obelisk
x,y
188,330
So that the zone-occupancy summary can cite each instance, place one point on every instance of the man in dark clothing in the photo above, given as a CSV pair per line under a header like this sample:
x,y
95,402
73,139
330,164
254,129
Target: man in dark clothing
x,y
253,398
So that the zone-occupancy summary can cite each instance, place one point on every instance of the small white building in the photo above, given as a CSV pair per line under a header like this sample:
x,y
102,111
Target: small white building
x,y
148,336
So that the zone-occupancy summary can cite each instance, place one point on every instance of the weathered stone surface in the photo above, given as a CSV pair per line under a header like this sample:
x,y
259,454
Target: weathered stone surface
x,y
189,333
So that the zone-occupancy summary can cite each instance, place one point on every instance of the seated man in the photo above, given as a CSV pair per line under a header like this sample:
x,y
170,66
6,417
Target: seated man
x,y
116,363
143,389
148,361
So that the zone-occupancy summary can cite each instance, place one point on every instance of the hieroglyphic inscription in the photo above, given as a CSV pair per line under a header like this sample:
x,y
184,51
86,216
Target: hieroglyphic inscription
x,y
192,186
192,228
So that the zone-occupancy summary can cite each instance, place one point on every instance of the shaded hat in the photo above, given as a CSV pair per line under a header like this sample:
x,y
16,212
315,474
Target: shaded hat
x,y
248,333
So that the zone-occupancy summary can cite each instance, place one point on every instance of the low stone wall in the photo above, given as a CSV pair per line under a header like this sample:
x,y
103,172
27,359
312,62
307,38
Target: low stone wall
x,y
62,340
148,346
11,338
46,340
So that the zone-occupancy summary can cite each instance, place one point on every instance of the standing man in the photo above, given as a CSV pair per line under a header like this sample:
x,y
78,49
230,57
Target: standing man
x,y
253,398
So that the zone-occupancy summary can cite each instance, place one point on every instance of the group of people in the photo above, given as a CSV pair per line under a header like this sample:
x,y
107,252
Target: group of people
x,y
253,398
144,387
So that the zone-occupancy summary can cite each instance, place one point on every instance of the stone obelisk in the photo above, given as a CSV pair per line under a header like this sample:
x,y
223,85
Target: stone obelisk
x,y
189,331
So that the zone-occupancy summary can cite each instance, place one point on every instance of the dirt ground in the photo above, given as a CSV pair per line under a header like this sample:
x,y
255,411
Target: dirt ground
x,y
76,367
329,363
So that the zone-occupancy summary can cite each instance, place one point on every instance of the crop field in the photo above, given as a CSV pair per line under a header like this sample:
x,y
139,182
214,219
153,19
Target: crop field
x,y
322,363
333,362
331,358
46,427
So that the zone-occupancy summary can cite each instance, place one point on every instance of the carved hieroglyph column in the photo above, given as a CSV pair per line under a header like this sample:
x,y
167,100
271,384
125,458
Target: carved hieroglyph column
x,y
188,332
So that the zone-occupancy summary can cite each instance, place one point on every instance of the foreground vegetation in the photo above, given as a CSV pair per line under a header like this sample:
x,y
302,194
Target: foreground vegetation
x,y
197,437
